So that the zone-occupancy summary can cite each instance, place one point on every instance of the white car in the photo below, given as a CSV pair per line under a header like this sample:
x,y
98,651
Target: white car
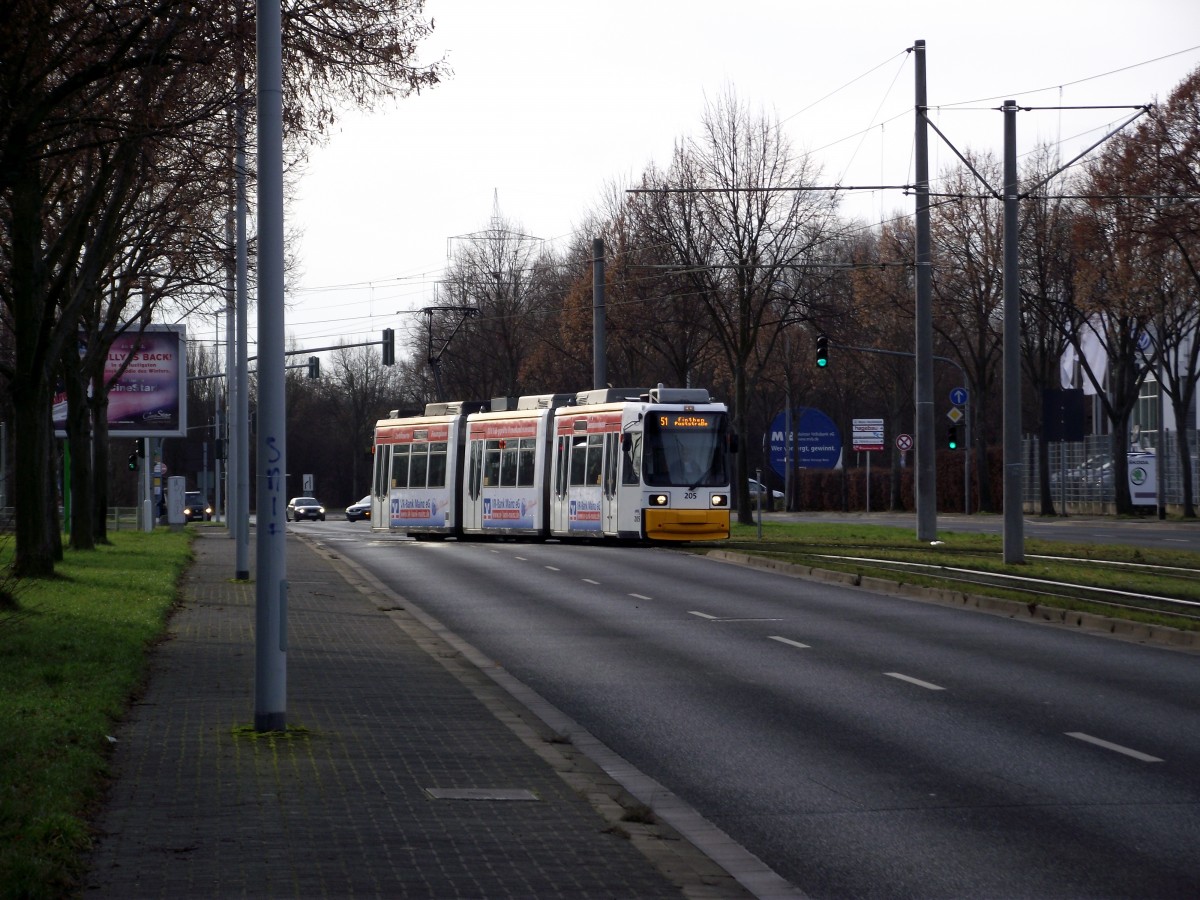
x,y
755,488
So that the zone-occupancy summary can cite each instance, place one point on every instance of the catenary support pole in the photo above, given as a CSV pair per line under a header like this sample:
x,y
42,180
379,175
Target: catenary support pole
x,y
599,349
925,471
270,686
1014,522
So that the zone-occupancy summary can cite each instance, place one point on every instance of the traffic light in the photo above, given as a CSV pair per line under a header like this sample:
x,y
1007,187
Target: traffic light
x,y
952,437
314,367
822,351
389,347
132,462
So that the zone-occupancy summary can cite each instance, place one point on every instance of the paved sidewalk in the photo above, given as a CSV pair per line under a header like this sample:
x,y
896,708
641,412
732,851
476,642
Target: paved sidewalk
x,y
405,772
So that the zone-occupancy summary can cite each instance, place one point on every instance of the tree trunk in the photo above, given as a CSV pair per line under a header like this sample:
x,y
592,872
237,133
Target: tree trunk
x,y
1043,470
34,555
1185,469
100,458
79,441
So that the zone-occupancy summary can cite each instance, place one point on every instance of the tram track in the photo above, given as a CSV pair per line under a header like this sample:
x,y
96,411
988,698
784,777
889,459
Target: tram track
x,y
1037,589
1171,595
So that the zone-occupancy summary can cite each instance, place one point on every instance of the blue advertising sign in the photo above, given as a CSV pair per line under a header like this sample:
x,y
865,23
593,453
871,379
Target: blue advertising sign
x,y
816,444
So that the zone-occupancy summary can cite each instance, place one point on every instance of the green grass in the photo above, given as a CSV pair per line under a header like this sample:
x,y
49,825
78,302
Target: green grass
x,y
814,545
72,655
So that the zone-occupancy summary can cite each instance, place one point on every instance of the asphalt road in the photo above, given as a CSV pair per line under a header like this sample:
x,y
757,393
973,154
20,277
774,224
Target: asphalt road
x,y
860,745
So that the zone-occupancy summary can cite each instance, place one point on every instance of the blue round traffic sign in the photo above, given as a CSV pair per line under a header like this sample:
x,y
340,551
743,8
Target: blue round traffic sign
x,y
959,396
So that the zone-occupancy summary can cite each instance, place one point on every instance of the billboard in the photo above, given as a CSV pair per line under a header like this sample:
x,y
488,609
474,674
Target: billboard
x,y
815,439
150,397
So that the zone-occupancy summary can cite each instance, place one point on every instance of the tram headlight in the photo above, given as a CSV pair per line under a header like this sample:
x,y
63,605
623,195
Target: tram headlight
x,y
660,499
719,501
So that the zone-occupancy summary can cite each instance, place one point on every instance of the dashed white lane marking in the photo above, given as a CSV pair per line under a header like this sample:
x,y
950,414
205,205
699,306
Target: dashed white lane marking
x,y
552,568
521,558
639,597
693,612
589,581
917,681
1116,748
788,641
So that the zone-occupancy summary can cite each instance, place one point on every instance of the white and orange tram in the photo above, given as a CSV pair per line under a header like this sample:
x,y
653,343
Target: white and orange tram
x,y
631,464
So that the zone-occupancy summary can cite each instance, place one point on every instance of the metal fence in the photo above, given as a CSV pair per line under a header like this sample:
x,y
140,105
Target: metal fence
x,y
1081,472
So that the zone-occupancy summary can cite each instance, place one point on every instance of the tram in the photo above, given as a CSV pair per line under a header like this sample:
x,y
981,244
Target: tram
x,y
631,464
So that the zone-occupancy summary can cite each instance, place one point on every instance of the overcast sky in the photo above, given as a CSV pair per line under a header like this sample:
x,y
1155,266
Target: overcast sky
x,y
554,101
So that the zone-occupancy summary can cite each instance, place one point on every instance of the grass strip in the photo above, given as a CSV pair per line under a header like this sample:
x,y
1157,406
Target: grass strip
x,y
72,656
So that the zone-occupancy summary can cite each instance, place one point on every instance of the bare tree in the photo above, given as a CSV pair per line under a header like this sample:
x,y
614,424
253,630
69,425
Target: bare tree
x,y
1170,148
362,390
491,275
736,236
1047,286
1114,294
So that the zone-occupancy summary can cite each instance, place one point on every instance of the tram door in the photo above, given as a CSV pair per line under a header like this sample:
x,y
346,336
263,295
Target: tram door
x,y
473,495
608,501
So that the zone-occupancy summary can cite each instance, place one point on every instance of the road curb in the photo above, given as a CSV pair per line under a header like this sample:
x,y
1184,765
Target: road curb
x,y
1122,629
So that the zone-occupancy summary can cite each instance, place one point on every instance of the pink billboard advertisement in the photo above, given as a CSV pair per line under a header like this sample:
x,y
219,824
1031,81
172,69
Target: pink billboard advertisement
x,y
150,397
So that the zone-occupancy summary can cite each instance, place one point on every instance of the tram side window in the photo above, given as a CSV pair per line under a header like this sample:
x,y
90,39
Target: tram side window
x,y
595,458
491,464
508,463
631,462
400,466
419,465
525,462
579,460
437,464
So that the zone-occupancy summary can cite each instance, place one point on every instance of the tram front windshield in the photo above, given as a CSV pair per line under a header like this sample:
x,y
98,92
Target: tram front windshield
x,y
685,449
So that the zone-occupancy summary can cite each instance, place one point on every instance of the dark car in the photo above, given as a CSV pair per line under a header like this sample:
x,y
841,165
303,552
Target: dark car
x,y
304,508
196,507
359,510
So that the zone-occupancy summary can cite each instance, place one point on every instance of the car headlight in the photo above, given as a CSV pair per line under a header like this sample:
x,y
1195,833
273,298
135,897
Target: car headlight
x,y
187,510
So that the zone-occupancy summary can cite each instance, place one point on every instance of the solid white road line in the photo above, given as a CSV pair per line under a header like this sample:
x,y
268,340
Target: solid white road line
x,y
917,681
1116,748
788,641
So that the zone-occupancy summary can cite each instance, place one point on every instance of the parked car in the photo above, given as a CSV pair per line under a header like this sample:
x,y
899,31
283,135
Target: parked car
x,y
304,508
196,507
359,510
754,488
